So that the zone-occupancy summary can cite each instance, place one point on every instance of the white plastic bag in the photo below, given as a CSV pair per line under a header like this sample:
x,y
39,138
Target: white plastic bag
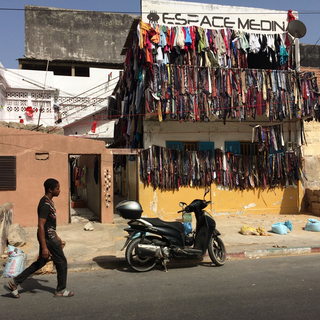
x,y
16,262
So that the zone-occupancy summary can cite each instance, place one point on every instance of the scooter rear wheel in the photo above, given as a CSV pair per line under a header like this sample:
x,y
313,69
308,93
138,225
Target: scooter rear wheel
x,y
217,251
136,262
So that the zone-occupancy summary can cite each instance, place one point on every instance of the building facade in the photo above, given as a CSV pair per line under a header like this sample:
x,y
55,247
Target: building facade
x,y
221,106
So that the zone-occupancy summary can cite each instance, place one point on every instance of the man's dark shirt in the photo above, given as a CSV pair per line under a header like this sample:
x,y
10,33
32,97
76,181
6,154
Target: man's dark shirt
x,y
46,210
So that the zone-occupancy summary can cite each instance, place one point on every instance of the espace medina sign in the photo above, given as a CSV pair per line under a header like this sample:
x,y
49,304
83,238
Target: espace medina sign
x,y
177,13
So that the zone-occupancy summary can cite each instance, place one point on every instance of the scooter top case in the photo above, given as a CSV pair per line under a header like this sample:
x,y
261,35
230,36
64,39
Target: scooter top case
x,y
129,209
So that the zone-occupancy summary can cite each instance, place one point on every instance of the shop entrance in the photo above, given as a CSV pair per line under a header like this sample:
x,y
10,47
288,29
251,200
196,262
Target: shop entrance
x,y
84,188
126,178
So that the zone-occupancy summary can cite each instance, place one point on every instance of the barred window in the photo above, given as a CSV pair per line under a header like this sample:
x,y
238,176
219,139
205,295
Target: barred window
x,y
8,173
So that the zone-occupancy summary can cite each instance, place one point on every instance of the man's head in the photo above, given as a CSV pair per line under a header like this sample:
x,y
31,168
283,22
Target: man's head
x,y
52,186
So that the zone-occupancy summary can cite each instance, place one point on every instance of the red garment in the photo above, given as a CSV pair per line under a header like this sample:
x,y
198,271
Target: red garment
x,y
168,38
290,16
193,37
29,111
94,125
259,103
184,32
224,39
124,128
172,38
287,42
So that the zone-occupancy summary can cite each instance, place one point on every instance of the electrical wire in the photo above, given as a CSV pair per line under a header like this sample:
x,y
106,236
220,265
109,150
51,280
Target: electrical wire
x,y
309,52
41,9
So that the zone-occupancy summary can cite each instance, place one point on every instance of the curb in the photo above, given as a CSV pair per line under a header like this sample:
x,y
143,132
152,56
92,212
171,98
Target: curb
x,y
114,262
272,252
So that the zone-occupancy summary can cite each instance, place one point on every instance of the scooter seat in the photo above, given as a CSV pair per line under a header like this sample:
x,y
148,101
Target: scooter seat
x,y
160,223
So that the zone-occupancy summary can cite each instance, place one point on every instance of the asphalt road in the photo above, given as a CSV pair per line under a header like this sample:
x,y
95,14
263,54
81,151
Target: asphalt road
x,y
274,288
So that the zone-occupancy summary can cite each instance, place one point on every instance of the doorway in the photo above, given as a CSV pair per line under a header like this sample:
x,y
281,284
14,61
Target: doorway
x,y
125,172
84,188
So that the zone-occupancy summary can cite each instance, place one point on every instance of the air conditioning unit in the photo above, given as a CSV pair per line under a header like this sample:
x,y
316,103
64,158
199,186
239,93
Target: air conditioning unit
x,y
290,146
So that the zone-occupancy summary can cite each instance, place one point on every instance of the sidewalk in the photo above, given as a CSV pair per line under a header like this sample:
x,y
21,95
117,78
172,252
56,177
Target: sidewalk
x,y
93,250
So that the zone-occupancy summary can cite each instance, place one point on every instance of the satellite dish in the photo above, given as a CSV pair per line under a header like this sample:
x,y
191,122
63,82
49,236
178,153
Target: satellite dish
x,y
297,29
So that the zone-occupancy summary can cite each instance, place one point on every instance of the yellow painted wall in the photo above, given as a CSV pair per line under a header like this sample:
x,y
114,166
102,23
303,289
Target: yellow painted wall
x,y
165,204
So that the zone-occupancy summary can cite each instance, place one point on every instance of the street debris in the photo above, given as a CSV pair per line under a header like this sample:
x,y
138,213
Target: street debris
x,y
282,228
247,230
16,262
312,225
89,227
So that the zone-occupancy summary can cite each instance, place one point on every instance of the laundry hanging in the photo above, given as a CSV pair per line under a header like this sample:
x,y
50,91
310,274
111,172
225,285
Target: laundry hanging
x,y
202,93
194,45
196,74
168,169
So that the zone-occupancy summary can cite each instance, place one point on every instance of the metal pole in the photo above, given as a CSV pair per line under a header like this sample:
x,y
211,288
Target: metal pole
x,y
44,86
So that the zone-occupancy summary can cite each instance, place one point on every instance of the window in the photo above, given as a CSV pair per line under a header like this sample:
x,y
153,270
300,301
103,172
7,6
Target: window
x,y
206,146
190,145
175,145
244,148
82,72
7,173
232,146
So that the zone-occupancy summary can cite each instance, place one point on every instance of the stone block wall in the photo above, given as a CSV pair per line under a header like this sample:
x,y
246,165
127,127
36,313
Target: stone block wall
x,y
312,201
6,218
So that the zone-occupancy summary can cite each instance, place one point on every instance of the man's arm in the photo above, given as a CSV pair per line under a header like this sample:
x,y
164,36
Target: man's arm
x,y
45,252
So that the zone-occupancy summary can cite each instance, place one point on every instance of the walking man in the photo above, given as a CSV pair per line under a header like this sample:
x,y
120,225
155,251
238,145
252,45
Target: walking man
x,y
49,244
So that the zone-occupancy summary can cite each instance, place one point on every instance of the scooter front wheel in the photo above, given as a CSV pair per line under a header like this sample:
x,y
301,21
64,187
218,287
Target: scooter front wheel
x,y
217,251
137,262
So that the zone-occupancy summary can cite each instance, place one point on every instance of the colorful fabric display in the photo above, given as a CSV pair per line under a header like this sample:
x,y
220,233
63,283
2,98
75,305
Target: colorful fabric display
x,y
199,90
171,169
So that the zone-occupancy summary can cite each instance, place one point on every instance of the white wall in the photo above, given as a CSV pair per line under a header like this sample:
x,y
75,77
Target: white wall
x,y
26,87
72,86
104,129
157,133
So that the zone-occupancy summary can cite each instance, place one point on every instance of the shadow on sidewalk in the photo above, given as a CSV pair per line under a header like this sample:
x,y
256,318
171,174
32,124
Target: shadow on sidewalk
x,y
32,285
107,262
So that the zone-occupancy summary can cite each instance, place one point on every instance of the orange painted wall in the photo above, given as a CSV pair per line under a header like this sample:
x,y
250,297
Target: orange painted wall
x,y
32,173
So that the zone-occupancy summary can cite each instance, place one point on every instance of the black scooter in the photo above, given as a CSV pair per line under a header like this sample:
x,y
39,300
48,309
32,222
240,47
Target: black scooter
x,y
152,239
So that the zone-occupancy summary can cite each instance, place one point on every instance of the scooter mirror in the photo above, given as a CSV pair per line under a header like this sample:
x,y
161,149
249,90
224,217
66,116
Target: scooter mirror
x,y
206,191
181,204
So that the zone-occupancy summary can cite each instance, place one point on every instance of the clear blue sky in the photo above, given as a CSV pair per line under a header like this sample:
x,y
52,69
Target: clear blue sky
x,y
12,21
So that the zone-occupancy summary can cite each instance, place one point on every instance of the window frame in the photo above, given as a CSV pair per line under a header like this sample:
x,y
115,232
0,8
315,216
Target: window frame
x,y
8,173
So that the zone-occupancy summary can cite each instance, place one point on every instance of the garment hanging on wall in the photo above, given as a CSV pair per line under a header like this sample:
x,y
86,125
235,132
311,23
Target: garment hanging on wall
x,y
203,73
202,93
171,169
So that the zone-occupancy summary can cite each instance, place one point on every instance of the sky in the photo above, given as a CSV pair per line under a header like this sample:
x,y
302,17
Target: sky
x,y
12,18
